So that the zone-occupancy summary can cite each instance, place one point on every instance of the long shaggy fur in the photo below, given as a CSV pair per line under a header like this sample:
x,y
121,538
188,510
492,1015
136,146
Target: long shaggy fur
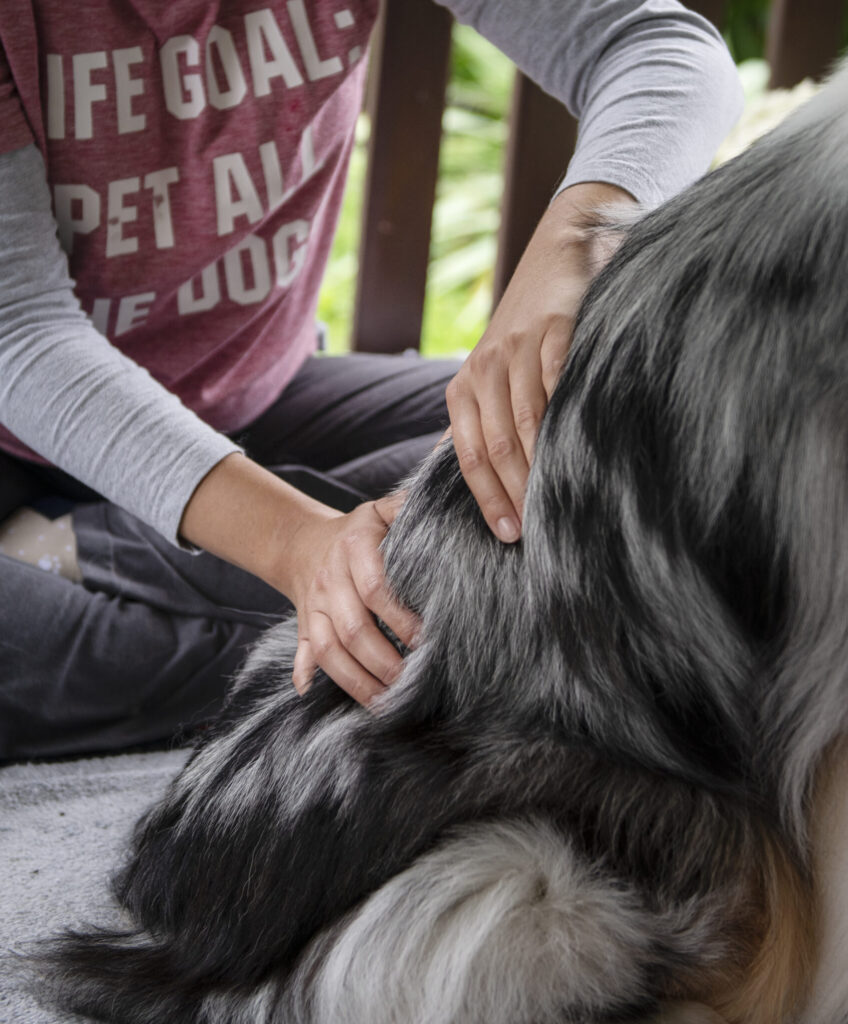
x,y
586,799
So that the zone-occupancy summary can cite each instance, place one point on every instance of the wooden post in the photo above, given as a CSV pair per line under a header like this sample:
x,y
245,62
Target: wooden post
x,y
712,10
410,60
803,39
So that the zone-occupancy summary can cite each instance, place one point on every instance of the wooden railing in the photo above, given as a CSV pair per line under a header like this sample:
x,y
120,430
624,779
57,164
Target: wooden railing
x,y
410,59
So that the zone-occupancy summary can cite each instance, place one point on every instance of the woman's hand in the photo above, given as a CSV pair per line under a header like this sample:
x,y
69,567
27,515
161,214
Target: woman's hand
x,y
497,400
337,588
328,564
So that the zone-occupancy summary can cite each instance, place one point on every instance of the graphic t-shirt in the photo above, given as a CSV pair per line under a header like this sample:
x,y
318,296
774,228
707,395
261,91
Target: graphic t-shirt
x,y
196,154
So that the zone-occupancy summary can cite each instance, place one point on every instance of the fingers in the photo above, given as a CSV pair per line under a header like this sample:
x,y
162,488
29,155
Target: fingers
x,y
344,641
342,648
553,353
528,398
365,566
376,596
336,627
305,665
483,481
496,403
504,447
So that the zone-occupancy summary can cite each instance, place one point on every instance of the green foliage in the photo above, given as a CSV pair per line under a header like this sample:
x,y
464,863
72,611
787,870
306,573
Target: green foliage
x,y
335,303
466,215
746,22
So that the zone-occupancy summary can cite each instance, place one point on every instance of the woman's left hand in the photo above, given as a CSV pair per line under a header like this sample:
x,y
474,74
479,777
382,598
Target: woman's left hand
x,y
498,398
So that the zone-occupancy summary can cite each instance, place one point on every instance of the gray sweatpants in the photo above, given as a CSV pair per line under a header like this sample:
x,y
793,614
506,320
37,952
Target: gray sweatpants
x,y
142,650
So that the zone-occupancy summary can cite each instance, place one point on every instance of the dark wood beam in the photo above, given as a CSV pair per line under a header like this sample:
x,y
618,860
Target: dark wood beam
x,y
410,61
803,39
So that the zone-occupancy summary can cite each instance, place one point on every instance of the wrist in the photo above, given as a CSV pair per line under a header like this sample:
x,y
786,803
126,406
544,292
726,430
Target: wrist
x,y
584,219
588,196
249,517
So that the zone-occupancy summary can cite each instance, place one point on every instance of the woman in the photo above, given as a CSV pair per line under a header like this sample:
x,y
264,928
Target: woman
x,y
159,355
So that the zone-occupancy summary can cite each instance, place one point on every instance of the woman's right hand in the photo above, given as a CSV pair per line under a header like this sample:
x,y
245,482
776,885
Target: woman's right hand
x,y
327,563
338,586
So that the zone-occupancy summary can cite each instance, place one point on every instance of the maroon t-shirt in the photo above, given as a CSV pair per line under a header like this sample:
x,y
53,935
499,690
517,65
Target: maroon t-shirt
x,y
196,154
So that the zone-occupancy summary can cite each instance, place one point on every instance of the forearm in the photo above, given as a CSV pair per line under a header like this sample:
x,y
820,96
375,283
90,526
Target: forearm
x,y
66,391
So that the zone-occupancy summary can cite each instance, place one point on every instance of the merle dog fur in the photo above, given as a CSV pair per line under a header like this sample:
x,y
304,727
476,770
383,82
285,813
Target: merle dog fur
x,y
586,797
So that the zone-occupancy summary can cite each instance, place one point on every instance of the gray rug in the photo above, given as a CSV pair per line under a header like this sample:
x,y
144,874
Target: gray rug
x,y
63,827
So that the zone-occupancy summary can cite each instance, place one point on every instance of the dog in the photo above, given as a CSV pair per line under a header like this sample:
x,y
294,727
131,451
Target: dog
x,y
587,798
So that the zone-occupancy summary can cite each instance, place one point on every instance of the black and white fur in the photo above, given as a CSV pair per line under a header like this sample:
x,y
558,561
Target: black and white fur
x,y
586,799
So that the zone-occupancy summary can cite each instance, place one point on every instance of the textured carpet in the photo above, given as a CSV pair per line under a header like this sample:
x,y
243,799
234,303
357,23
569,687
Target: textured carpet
x,y
63,827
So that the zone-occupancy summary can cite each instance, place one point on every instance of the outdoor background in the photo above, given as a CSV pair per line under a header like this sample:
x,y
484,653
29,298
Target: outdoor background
x,y
462,253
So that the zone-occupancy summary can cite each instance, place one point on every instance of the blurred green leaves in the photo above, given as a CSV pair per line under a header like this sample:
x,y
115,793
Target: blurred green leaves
x,y
745,28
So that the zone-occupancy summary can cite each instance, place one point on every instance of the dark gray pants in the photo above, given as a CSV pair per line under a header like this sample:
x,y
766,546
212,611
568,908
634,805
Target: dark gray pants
x,y
142,650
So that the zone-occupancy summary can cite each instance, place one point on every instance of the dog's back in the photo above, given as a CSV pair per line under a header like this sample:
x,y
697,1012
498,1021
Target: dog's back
x,y
588,791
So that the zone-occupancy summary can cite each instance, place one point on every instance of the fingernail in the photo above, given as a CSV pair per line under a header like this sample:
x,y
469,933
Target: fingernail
x,y
508,530
300,686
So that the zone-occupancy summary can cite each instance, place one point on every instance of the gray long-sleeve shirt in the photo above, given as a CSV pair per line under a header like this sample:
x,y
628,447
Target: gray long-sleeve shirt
x,y
655,91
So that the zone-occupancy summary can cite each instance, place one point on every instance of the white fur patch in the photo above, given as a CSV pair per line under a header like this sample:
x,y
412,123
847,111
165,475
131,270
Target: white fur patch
x,y
502,924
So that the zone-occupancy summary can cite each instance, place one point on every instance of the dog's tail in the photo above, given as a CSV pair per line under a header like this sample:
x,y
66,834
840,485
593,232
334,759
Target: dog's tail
x,y
503,922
